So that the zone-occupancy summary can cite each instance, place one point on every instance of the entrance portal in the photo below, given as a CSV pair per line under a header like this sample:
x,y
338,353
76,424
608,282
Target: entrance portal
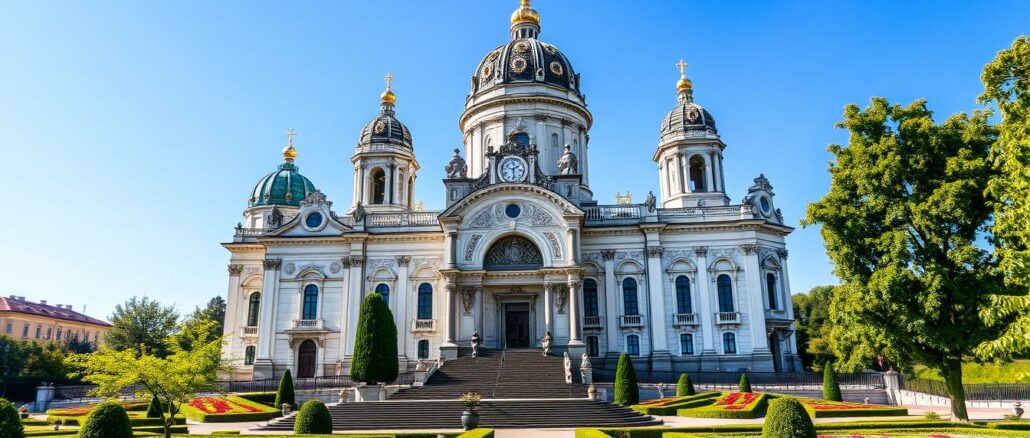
x,y
306,359
516,325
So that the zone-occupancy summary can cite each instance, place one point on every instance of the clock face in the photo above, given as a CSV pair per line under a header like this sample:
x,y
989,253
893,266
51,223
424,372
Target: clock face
x,y
512,169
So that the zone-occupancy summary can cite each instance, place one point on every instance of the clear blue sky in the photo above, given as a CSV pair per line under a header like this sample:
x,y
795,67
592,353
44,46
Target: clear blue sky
x,y
132,131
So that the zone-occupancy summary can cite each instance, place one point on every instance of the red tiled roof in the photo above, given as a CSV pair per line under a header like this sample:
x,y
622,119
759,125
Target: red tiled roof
x,y
46,310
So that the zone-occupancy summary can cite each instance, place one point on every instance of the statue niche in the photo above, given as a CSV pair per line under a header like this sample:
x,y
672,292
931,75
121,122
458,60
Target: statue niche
x,y
513,253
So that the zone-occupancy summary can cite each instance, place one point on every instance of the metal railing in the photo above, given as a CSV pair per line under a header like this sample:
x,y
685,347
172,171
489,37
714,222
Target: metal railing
x,y
974,391
731,380
249,331
308,324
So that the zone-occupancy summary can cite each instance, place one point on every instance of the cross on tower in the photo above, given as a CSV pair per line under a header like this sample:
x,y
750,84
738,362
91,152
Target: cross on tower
x,y
389,78
289,136
683,68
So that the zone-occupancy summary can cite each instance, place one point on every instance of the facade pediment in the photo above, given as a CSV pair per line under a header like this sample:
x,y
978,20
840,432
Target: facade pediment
x,y
554,202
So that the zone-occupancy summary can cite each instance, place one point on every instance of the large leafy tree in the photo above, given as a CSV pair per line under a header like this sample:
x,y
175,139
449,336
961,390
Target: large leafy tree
x,y
900,224
203,325
141,325
1007,85
812,326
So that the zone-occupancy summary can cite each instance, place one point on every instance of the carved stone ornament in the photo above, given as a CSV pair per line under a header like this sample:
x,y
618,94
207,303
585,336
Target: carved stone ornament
x,y
701,251
561,297
608,254
275,220
359,213
555,246
315,198
334,267
272,263
568,164
289,269
457,167
356,260
749,248
468,297
782,252
403,260
654,251
650,202
470,247
761,184
235,270
513,252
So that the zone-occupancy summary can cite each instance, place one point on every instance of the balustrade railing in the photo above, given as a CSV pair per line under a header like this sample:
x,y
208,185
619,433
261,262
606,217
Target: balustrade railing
x,y
249,331
613,212
308,324
727,318
631,321
591,321
686,319
398,220
731,380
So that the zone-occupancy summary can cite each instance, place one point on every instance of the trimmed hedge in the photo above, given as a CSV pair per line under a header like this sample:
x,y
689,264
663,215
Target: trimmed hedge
x,y
285,392
684,386
313,418
267,412
10,421
753,410
626,390
831,390
266,398
478,433
859,427
108,420
745,383
155,410
1010,425
686,402
375,343
787,419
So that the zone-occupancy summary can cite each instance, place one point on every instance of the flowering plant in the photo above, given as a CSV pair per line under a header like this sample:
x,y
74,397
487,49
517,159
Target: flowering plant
x,y
471,399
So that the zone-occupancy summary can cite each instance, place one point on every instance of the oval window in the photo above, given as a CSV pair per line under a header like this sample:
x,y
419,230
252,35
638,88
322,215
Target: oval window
x,y
512,211
314,220
765,204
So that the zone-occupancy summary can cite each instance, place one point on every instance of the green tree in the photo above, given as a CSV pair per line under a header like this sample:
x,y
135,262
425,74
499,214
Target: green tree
x,y
154,410
812,326
684,386
1007,85
285,393
10,423
745,383
626,390
141,325
900,223
831,390
195,331
375,343
174,380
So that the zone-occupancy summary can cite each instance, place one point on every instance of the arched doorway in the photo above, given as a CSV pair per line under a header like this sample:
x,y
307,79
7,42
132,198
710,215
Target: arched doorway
x,y
306,359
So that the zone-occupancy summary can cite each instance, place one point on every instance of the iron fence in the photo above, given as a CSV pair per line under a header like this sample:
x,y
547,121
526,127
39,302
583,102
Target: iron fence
x,y
730,380
975,391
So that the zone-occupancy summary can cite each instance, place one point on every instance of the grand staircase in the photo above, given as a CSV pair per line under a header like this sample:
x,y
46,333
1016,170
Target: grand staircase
x,y
520,388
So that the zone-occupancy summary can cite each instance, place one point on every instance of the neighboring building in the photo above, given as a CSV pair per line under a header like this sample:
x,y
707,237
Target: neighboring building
x,y
692,282
28,321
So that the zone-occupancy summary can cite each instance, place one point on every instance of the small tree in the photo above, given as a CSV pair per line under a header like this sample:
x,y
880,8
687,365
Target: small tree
x,y
313,418
626,390
375,343
745,383
684,386
787,419
10,424
154,410
107,420
831,390
285,392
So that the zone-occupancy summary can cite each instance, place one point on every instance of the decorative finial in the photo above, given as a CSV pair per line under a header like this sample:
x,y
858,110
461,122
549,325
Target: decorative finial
x,y
525,14
388,96
289,153
683,84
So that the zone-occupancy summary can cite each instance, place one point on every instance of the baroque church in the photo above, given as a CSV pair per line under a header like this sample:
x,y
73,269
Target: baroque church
x,y
686,281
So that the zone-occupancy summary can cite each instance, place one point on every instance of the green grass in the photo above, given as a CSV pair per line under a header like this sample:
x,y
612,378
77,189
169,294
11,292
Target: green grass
x,y
755,409
893,429
1014,372
676,403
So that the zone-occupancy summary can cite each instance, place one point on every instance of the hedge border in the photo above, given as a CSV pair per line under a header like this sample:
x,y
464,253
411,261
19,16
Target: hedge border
x,y
200,416
756,410
685,402
889,426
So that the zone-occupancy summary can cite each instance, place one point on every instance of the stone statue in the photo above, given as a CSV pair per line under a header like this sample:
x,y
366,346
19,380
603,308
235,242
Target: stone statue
x,y
275,220
358,213
546,342
457,167
650,201
586,370
568,164
476,340
567,361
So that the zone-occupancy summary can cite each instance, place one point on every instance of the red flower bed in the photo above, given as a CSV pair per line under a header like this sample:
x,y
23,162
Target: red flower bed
x,y
735,401
219,405
826,405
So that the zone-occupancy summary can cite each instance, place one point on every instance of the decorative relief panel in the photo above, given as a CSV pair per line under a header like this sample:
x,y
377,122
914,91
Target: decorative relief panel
x,y
674,254
334,267
528,214
470,247
623,255
315,267
418,262
379,262
723,252
289,268
555,246
468,298
513,252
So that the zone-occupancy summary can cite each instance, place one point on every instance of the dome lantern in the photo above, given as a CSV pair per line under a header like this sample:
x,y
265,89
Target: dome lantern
x,y
684,87
525,21
385,128
284,187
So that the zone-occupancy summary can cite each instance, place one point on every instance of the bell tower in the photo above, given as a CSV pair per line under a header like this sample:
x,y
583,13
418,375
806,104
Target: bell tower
x,y
384,161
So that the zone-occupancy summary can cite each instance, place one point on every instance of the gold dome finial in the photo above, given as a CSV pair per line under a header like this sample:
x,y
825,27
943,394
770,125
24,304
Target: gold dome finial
x,y
683,84
525,14
289,153
388,96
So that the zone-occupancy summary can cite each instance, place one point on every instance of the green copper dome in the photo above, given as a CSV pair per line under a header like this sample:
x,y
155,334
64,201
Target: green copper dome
x,y
285,186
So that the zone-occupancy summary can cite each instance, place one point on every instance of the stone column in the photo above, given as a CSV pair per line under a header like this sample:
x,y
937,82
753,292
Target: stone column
x,y
549,291
345,332
401,311
660,346
706,310
362,185
354,297
449,349
756,314
266,325
390,178
233,309
710,173
574,312
611,311
451,249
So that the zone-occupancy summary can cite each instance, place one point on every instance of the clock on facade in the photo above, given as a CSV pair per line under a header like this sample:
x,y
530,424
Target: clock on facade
x,y
512,169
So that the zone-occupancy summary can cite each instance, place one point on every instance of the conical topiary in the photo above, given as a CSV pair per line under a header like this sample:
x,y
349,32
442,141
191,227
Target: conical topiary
x,y
375,343
626,390
285,392
745,383
10,424
154,410
684,386
107,420
831,390
313,417
786,418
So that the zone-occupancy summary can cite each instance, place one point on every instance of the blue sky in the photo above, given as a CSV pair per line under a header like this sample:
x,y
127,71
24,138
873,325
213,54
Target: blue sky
x,y
132,131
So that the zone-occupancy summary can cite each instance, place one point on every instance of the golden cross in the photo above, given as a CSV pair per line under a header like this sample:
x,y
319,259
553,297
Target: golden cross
x,y
389,78
290,134
683,68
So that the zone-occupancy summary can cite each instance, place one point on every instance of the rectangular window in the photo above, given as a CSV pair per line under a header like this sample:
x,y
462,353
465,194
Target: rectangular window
x,y
10,328
248,356
592,347
25,331
633,345
59,334
729,343
39,332
49,332
686,344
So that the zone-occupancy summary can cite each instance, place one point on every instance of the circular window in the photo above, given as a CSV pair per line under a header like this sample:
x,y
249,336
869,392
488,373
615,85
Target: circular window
x,y
512,211
764,203
314,220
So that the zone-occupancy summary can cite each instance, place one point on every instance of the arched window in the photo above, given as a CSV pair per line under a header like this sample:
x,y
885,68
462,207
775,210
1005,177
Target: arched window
x,y
629,297
592,347
248,355
425,301
384,290
555,148
725,287
378,186
310,302
423,349
770,286
633,345
253,308
729,343
523,138
686,344
683,294
590,307
697,174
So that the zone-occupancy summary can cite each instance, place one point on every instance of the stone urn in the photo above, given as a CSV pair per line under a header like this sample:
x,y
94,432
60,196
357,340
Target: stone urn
x,y
1017,409
469,417
592,392
366,393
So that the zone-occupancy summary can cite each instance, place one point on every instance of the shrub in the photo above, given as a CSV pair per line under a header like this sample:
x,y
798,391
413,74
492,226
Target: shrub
x,y
108,420
478,433
931,416
375,343
787,419
626,390
313,418
154,410
745,384
684,386
266,398
831,390
285,392
10,424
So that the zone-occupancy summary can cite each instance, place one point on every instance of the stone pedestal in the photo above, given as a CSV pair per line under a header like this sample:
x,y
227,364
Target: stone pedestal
x,y
263,369
576,348
365,393
449,352
43,396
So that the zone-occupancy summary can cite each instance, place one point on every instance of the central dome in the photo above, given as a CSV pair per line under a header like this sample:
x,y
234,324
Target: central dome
x,y
523,61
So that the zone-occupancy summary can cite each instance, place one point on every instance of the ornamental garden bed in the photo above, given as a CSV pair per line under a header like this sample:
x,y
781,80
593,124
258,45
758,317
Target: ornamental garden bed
x,y
225,409
739,405
669,405
136,410
826,409
865,429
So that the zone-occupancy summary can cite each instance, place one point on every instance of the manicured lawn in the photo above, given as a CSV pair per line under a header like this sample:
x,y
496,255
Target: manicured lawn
x,y
669,405
877,429
824,409
1014,372
730,405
